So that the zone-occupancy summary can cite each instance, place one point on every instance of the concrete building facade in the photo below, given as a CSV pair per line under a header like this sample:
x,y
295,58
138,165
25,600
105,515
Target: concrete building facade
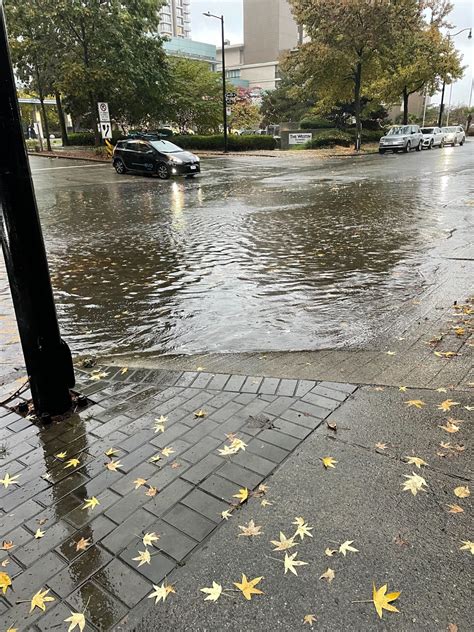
x,y
175,19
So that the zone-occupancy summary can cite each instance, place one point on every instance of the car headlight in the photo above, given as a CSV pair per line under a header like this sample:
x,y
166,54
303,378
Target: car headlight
x,y
197,159
177,161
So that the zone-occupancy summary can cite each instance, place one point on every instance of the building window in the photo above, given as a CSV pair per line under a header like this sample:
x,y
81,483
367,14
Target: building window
x,y
233,74
277,72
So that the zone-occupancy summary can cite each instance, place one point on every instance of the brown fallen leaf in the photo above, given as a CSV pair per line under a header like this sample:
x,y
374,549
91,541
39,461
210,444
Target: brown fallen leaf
x,y
309,618
175,465
112,466
82,544
452,627
138,482
328,575
454,509
415,403
400,541
331,426
152,491
381,446
447,405
250,529
7,545
450,427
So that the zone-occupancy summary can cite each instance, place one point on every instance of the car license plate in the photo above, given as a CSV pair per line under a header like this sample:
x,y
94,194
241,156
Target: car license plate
x,y
193,166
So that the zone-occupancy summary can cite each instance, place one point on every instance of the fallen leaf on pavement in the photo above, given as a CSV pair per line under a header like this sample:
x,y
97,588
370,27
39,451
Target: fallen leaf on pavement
x,y
328,575
5,563
111,452
284,543
462,491
9,480
331,426
213,593
450,427
152,491
138,482
455,509
402,389
265,503
226,514
149,538
83,544
262,489
250,530
167,451
447,405
7,545
452,627
330,552
247,587
155,458
415,403
161,592
442,389
200,413
382,600
175,465
346,546
39,534
414,483
5,582
303,530
123,370
400,541
227,450
415,460
328,461
90,503
39,599
242,495
391,353
72,463
381,446
113,465
467,546
291,562
309,618
76,618
61,455
143,557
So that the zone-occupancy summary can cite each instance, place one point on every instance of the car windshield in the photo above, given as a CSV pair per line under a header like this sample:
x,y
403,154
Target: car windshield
x,y
427,130
165,146
449,129
399,131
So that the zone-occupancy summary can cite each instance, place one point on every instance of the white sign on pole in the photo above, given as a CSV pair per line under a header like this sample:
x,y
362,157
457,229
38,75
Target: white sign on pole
x,y
106,130
299,139
104,115
228,111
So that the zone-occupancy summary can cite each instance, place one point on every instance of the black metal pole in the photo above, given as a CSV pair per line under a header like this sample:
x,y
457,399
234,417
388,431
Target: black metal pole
x,y
224,100
47,358
441,106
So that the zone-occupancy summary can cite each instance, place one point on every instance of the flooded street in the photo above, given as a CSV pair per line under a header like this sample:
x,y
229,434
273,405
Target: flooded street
x,y
258,253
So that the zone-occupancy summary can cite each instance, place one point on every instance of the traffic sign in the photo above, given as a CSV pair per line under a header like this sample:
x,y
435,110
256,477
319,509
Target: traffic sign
x,y
228,111
104,115
106,130
231,95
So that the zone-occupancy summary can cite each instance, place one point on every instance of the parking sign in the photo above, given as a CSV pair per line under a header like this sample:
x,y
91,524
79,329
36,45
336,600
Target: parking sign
x,y
104,115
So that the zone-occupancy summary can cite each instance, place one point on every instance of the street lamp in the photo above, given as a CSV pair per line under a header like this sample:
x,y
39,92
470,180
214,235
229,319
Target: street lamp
x,y
441,105
224,100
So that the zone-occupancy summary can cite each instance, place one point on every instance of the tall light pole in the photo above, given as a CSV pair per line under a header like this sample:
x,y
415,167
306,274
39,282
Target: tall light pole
x,y
224,100
441,105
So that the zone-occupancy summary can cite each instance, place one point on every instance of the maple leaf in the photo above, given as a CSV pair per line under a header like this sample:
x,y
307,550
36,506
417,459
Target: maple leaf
x,y
152,491
155,458
200,413
402,389
467,546
346,546
462,491
382,600
414,484
167,451
61,455
112,466
298,521
328,575
263,489
309,618
455,509
9,480
159,426
138,482
416,403
213,593
161,592
450,427
226,514
283,543
39,599
242,495
175,465
391,353
143,557
400,541
72,463
5,582
82,544
447,405
328,461
238,444
7,545
248,587
291,561
469,408
381,446
250,530
111,452
90,503
76,618
227,450
330,552
266,503
303,530
98,375
39,534
5,563
124,370
149,538
415,460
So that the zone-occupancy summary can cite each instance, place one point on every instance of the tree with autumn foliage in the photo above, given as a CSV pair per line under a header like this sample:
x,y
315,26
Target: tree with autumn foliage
x,y
245,114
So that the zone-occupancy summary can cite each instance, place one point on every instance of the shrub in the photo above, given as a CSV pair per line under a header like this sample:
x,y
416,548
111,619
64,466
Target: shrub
x,y
368,135
316,123
329,138
86,139
235,142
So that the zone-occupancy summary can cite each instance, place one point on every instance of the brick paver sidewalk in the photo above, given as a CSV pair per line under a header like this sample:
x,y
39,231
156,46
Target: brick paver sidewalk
x,y
195,483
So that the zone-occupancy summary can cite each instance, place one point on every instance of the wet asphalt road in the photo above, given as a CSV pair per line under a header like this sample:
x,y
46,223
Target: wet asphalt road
x,y
257,253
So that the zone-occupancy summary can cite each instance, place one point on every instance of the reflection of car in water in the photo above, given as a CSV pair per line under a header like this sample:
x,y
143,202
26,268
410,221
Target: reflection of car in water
x,y
401,138
432,137
453,135
150,154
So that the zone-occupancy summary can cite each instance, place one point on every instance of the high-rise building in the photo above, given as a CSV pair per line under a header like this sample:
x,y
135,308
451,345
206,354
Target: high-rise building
x,y
175,19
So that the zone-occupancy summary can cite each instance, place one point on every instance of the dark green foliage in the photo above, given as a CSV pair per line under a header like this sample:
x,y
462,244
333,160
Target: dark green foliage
x,y
329,138
85,139
316,123
236,143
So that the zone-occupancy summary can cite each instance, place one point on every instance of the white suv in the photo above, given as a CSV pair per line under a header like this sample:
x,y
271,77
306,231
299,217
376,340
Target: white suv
x,y
454,135
432,137
402,138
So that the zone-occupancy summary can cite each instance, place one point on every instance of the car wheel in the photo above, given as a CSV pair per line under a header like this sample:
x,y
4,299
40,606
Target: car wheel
x,y
407,147
441,145
461,143
119,166
381,151
419,146
163,171
430,146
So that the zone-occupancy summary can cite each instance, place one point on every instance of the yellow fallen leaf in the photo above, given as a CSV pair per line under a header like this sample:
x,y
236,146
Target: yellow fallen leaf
x,y
415,403
143,557
238,444
346,546
283,543
155,458
111,452
303,530
167,451
467,546
39,534
112,466
415,460
291,562
83,544
447,405
450,427
263,489
213,593
455,509
462,491
90,503
414,484
248,587
402,389
266,503
161,592
381,446
9,480
242,495
441,389
61,455
98,375
152,491
40,599
76,618
227,450
200,413
330,552
226,514
72,463
5,582
138,482
149,538
391,353
250,529
328,575
5,563
124,370
382,600
309,618
328,461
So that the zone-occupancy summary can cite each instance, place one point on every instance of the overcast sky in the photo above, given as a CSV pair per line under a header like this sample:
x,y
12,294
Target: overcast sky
x,y
208,30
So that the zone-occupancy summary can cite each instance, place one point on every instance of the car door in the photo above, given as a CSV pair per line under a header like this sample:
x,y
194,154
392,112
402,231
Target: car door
x,y
438,136
130,154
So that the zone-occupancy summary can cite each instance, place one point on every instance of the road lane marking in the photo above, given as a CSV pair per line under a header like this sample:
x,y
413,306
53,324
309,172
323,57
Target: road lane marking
x,y
69,167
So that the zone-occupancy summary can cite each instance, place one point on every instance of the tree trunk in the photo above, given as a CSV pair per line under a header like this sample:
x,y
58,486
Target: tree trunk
x,y
62,119
406,96
43,110
357,104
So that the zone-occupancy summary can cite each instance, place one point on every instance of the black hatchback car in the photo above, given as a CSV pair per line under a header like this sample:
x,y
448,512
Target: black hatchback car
x,y
156,156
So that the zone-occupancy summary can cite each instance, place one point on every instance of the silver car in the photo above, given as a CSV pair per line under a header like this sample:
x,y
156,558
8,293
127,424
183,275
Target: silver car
x,y
402,138
432,137
454,135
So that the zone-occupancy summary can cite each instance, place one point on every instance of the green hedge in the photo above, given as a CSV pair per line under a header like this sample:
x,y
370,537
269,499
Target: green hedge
x,y
87,138
235,142
316,123
369,135
329,138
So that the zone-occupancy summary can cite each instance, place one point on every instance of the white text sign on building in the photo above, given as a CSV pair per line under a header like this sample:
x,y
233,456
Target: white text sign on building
x,y
300,138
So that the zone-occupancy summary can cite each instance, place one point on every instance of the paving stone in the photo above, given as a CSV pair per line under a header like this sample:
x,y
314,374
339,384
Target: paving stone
x,y
235,383
202,380
219,487
37,575
279,405
291,429
122,582
218,381
224,413
116,423
201,449
65,582
302,419
54,618
205,504
269,386
62,488
125,484
189,522
339,396
221,399
18,536
172,541
162,439
93,531
253,462
136,457
279,439
287,387
251,384
122,509
127,531
78,517
304,386
339,386
314,411
165,499
14,452
201,470
267,450
22,494
102,610
202,429
320,400
36,548
187,378
159,567
240,475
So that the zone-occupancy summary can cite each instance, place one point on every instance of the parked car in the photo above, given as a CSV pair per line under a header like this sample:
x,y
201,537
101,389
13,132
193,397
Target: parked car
x,y
150,154
402,138
432,137
453,135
